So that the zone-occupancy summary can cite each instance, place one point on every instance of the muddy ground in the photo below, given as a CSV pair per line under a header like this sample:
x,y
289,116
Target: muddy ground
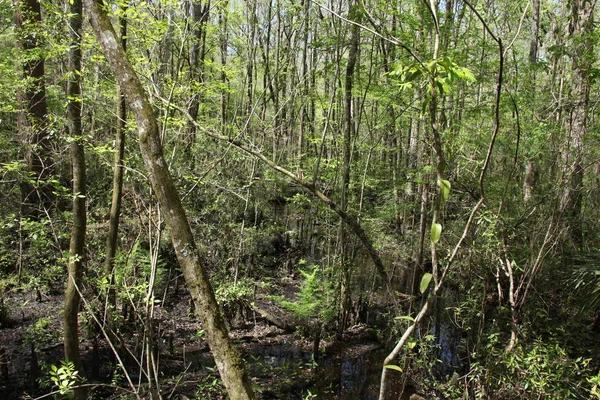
x,y
281,363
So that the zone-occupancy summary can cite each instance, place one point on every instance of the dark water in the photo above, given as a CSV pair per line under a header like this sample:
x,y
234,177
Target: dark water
x,y
355,377
356,373
349,376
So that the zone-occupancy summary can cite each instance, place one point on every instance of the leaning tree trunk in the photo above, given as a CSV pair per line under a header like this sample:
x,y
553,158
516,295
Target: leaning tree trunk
x,y
230,365
77,244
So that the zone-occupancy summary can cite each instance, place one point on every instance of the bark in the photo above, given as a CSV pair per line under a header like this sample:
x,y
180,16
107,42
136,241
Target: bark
x,y
117,191
266,47
530,178
535,29
32,120
199,16
437,141
223,44
228,362
78,230
580,29
347,154
252,25
530,173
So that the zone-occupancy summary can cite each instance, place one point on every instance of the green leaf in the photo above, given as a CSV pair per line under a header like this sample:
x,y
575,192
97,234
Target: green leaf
x,y
444,189
442,85
413,74
431,65
466,74
425,282
394,367
425,104
436,232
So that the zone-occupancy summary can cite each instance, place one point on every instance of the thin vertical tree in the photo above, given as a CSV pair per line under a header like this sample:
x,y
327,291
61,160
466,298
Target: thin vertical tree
x,y
117,190
348,135
223,44
78,230
199,14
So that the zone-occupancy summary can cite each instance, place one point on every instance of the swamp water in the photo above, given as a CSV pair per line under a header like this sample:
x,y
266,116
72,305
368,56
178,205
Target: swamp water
x,y
353,374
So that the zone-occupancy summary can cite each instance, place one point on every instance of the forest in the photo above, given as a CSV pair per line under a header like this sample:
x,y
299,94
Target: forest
x,y
299,199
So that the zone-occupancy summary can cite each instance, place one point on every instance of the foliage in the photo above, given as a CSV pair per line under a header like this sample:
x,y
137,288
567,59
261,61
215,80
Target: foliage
x,y
316,298
42,258
444,72
132,274
211,386
541,369
64,377
595,381
42,333
234,298
270,76
585,280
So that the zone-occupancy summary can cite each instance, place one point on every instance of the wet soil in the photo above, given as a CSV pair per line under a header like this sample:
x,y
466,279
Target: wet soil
x,y
281,364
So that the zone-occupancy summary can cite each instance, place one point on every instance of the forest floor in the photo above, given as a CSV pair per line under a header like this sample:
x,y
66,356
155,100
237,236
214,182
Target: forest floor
x,y
281,363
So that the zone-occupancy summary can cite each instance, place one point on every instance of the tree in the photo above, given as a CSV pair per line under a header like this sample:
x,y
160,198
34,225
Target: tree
x,y
32,126
117,189
582,59
347,140
78,230
230,365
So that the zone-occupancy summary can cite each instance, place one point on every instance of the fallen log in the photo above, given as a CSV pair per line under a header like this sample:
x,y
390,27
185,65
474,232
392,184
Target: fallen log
x,y
272,318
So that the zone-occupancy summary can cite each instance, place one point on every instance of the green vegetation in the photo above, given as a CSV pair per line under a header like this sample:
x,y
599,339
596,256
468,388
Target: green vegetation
x,y
421,173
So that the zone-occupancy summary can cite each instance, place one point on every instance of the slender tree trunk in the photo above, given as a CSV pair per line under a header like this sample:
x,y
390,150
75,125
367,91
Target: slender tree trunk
x,y
78,230
32,121
437,141
304,108
535,31
266,56
117,191
250,68
199,16
228,362
530,175
347,159
224,42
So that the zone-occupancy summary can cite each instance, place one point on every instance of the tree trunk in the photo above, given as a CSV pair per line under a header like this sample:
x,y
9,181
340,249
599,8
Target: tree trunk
x,y
347,154
117,191
78,230
32,122
250,68
228,362
224,43
581,30
535,31
199,16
